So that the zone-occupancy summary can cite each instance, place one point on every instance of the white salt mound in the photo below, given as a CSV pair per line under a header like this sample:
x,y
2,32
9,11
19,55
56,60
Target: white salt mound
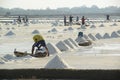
x,y
79,39
26,24
106,36
10,33
62,46
57,63
65,30
69,43
118,31
70,28
2,60
114,35
101,25
35,32
98,36
54,30
7,28
85,36
92,37
73,42
83,27
52,48
93,26
13,28
8,57
114,24
54,23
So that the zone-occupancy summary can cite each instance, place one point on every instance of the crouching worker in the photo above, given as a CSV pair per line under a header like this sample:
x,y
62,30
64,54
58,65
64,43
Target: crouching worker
x,y
40,44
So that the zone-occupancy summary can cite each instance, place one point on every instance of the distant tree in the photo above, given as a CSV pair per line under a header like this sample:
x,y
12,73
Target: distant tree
x,y
60,11
7,14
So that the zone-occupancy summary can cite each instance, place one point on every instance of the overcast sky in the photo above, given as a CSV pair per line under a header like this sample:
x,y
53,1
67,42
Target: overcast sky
x,y
53,4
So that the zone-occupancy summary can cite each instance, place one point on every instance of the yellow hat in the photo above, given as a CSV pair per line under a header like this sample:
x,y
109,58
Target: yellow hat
x,y
37,38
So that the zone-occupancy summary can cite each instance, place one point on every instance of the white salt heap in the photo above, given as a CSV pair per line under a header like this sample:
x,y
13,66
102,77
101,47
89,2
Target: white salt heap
x,y
64,29
10,33
98,36
114,24
26,24
52,48
93,26
7,28
62,46
80,39
69,43
106,36
101,25
91,37
114,35
57,63
118,31
35,32
54,30
70,28
1,61
73,42
83,27
85,36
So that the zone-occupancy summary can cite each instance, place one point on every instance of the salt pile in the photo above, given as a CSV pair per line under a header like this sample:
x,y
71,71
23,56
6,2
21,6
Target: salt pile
x,y
92,37
93,26
114,35
3,60
83,27
106,36
6,23
8,57
7,28
26,24
73,42
118,31
69,44
10,33
62,46
54,30
85,36
101,25
114,24
79,39
65,30
98,36
54,24
52,48
35,32
13,28
70,28
57,63
14,23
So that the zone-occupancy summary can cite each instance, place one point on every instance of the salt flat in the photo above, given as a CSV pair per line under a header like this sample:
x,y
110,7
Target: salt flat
x,y
102,54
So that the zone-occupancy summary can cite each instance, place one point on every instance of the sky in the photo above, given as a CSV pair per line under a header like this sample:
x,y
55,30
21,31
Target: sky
x,y
53,4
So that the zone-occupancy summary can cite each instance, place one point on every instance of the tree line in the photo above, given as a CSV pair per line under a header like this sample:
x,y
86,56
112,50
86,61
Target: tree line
x,y
60,11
